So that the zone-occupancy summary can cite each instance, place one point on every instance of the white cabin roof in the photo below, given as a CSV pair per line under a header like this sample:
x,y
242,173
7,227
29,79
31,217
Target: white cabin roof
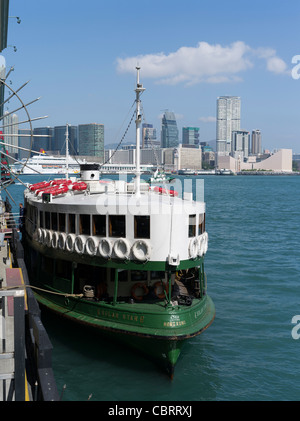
x,y
147,203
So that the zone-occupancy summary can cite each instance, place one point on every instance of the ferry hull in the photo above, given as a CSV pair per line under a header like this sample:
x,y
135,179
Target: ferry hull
x,y
156,329
162,346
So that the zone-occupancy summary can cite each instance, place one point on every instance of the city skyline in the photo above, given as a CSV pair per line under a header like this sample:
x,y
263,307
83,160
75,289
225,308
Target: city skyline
x,y
215,53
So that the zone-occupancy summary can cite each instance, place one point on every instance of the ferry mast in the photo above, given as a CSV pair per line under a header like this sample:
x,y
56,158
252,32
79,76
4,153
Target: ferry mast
x,y
139,89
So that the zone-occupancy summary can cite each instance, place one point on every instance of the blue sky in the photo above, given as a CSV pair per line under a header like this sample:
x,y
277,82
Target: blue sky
x,y
80,57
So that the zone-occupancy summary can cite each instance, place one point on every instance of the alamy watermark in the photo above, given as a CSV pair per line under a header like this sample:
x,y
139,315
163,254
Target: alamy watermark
x,y
296,69
129,204
296,329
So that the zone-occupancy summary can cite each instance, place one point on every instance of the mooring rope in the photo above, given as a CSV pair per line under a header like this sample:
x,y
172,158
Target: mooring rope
x,y
41,289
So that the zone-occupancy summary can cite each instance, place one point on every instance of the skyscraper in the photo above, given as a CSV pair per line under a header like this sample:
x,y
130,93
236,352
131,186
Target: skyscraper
x,y
11,128
59,141
42,142
91,139
190,137
2,76
24,142
169,130
149,136
240,143
256,142
228,120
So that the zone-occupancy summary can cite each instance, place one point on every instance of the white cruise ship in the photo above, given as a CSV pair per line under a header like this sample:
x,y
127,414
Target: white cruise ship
x,y
47,164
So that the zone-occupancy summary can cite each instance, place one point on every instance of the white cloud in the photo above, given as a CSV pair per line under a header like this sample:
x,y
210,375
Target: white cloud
x,y
276,65
208,119
203,63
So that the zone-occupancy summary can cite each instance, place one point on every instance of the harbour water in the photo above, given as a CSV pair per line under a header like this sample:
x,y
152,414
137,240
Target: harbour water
x,y
248,353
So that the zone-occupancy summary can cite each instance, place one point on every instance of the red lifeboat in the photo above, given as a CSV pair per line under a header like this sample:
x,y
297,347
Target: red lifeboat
x,y
79,185
165,191
56,187
62,188
59,190
34,187
54,190
59,182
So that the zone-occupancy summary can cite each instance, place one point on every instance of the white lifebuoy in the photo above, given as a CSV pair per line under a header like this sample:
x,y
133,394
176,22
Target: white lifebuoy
x,y
105,248
205,243
122,248
43,239
200,243
70,241
79,244
54,242
141,250
193,248
91,246
48,238
62,240
40,235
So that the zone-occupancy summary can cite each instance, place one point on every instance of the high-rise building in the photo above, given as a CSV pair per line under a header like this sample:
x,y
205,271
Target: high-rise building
x,y
2,76
228,120
43,138
11,130
190,137
149,137
256,142
91,139
24,142
240,143
59,140
169,130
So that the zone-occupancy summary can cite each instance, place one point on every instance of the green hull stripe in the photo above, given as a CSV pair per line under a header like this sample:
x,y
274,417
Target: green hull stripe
x,y
137,318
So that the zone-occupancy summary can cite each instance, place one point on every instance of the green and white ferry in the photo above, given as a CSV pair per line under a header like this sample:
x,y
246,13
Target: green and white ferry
x,y
123,257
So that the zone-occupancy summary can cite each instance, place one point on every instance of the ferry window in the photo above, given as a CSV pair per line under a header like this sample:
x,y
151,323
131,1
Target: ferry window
x,y
155,274
54,221
47,264
141,226
41,219
91,275
138,275
47,220
84,224
192,225
63,269
82,275
123,276
117,226
28,211
30,214
201,223
99,225
62,222
72,226
35,217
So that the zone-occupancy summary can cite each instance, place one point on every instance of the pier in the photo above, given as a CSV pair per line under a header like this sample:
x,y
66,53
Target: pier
x,y
25,351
